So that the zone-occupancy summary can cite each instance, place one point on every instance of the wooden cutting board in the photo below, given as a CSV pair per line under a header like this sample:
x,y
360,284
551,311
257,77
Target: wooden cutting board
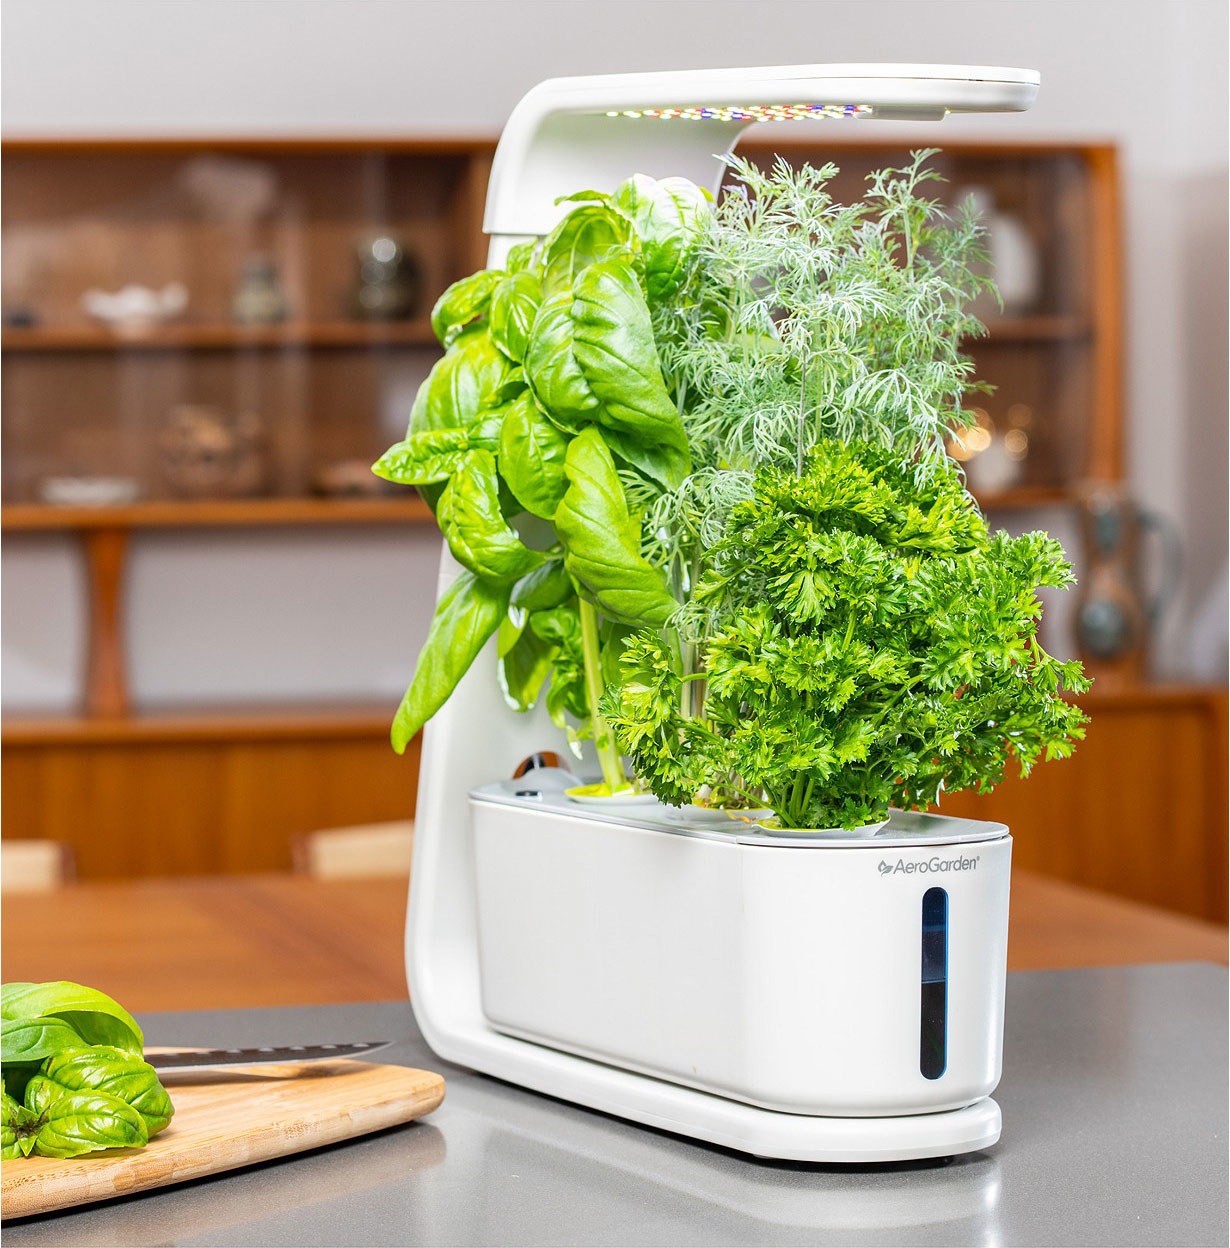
x,y
226,1118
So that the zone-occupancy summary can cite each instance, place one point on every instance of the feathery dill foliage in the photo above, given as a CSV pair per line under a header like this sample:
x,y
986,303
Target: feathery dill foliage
x,y
805,319
868,643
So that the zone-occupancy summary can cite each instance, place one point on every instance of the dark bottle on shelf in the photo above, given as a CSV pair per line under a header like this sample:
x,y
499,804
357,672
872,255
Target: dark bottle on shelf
x,y
389,281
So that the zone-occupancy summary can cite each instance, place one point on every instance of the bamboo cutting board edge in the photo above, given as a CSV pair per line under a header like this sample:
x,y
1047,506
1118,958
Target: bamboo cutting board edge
x,y
227,1119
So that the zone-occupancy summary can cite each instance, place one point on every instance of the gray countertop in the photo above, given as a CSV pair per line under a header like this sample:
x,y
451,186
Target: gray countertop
x,y
1114,1099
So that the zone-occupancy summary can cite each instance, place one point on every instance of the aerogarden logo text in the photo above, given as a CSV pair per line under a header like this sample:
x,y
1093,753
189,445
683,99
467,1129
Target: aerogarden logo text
x,y
928,866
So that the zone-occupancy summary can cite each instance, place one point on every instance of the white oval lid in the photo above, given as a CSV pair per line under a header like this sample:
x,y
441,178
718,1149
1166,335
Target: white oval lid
x,y
543,790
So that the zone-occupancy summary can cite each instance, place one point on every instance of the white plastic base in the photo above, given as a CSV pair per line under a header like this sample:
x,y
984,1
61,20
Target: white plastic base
x,y
730,1124
783,973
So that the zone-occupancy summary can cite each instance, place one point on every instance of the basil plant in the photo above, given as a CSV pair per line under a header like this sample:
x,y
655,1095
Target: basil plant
x,y
538,440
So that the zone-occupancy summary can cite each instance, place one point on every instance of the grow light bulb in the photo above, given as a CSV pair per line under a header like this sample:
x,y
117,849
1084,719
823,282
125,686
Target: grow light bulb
x,y
571,133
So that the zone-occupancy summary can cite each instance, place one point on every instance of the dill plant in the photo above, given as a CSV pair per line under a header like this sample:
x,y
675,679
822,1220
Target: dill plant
x,y
805,318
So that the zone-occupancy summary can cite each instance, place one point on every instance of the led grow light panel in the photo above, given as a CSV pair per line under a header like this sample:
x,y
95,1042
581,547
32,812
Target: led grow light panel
x,y
750,113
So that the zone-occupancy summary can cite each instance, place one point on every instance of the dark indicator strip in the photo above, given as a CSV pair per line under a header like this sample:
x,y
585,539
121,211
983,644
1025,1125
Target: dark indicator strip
x,y
933,1025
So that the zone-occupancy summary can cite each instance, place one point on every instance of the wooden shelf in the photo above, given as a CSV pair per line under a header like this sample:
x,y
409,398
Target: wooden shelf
x,y
221,337
314,720
219,513
395,141
258,513
375,334
1025,496
251,722
1036,329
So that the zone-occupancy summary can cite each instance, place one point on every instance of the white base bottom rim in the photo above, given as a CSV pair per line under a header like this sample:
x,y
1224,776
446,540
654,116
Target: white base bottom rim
x,y
715,1119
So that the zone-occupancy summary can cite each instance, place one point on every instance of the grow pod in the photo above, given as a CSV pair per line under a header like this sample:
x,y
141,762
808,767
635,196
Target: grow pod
x,y
820,999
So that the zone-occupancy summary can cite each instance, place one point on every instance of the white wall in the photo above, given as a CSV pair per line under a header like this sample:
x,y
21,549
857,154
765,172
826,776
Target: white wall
x,y
344,613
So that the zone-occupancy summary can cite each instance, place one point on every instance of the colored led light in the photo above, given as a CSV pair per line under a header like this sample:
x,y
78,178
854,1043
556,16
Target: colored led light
x,y
749,112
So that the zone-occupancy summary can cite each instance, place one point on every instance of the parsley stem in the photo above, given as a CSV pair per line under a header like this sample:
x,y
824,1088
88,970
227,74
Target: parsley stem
x,y
888,706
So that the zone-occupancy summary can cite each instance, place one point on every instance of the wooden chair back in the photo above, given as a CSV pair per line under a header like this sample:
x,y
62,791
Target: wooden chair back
x,y
368,850
33,866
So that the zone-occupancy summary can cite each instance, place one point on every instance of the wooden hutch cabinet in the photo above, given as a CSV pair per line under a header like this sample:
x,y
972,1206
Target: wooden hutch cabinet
x,y
91,406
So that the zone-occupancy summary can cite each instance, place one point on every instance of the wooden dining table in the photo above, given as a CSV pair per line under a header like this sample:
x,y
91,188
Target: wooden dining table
x,y
271,940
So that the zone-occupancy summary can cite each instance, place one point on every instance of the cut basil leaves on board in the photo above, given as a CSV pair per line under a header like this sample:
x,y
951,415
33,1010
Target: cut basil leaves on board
x,y
74,1077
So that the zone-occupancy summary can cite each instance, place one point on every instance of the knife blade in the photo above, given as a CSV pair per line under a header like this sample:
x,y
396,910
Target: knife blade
x,y
206,1059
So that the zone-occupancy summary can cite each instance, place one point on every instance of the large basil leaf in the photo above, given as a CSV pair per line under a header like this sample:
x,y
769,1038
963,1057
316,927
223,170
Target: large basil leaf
x,y
553,372
96,1017
462,303
668,216
525,668
511,628
460,385
584,197
473,523
561,627
424,458
513,384
514,304
520,257
106,1069
465,618
72,1123
547,586
32,1039
16,1127
532,454
614,346
485,431
589,233
602,541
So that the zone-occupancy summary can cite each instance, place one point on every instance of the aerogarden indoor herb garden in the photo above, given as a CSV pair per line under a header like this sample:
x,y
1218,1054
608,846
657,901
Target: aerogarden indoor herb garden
x,y
697,514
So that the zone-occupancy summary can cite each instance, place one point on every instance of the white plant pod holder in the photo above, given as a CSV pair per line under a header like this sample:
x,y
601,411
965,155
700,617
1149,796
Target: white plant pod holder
x,y
784,973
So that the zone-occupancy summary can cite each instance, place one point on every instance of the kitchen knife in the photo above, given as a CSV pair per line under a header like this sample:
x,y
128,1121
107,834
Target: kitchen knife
x,y
206,1059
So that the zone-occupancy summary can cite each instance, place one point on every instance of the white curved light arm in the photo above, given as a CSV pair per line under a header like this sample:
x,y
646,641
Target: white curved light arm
x,y
569,134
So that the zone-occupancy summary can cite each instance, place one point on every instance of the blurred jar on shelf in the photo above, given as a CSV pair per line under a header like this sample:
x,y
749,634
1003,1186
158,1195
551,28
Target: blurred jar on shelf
x,y
1013,258
205,452
259,298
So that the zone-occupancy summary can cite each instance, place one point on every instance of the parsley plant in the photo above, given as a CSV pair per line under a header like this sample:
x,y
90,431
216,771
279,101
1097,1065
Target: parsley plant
x,y
863,642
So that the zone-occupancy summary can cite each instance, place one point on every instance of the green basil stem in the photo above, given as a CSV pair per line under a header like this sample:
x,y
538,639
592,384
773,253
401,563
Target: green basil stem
x,y
604,742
